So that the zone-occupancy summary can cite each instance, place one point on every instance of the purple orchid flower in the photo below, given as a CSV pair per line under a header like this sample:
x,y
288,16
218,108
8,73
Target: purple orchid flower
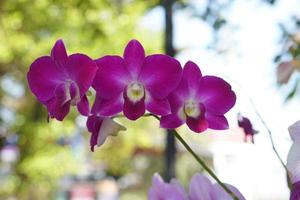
x,y
135,83
59,81
246,125
293,161
199,101
200,189
101,128
165,191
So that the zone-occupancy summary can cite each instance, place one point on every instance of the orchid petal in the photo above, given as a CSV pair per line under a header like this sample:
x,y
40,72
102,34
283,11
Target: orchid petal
x,y
112,76
59,53
133,110
111,106
83,106
293,162
93,124
216,122
200,188
174,183
171,121
82,70
58,110
134,56
197,124
96,105
161,190
108,128
218,193
160,75
101,128
294,131
156,106
43,77
192,75
216,95
295,193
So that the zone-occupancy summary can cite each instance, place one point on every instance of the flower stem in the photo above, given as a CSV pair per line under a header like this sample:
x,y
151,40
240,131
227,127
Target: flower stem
x,y
200,161
289,182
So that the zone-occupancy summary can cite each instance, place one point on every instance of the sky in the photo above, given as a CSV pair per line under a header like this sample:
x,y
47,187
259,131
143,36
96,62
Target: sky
x,y
253,38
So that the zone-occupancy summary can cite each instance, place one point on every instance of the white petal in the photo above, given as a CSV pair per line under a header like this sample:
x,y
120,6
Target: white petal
x,y
293,162
108,128
295,131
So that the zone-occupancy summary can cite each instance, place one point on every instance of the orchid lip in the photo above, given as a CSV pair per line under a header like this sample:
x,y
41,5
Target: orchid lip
x,y
72,92
192,109
135,91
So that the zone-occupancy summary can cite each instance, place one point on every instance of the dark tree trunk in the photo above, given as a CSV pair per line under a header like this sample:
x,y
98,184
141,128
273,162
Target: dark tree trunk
x,y
170,151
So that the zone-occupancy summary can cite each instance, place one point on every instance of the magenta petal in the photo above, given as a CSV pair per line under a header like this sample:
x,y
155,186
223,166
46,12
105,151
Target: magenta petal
x,y
133,110
94,124
134,56
160,75
111,107
192,75
156,106
112,76
82,70
59,53
171,121
59,106
57,110
62,94
178,97
83,106
295,192
216,95
43,76
96,105
216,122
197,125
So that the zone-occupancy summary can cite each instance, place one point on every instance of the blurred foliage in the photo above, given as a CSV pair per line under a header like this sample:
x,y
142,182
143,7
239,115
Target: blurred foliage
x,y
288,58
28,29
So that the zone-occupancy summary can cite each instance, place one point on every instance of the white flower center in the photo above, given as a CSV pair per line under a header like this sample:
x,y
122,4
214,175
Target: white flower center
x,y
191,109
135,91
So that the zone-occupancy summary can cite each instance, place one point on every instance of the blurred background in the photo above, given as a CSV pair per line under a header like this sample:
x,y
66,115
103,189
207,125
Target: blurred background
x,y
253,44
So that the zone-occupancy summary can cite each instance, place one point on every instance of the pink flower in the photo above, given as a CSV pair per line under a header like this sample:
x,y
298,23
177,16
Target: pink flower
x,y
135,83
200,189
199,101
59,81
165,191
101,128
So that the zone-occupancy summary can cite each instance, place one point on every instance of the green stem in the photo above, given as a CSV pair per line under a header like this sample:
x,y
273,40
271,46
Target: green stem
x,y
200,161
289,182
